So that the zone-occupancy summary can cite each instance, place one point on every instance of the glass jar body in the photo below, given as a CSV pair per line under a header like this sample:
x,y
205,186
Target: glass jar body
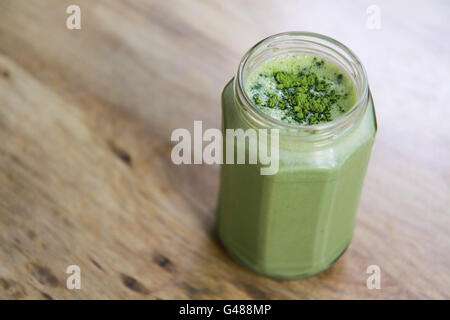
x,y
298,221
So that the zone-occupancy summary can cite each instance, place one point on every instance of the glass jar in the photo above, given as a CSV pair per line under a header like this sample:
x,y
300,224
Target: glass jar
x,y
300,220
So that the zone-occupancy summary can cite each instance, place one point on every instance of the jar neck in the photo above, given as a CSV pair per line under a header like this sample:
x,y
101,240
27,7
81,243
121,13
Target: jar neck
x,y
314,44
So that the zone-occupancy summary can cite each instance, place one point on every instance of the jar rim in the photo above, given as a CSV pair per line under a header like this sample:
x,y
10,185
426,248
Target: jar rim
x,y
340,121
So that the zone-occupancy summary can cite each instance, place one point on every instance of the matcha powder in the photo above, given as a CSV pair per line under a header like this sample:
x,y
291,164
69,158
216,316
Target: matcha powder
x,y
300,89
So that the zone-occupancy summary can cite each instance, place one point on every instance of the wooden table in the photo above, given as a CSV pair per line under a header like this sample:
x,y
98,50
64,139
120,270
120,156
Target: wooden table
x,y
85,172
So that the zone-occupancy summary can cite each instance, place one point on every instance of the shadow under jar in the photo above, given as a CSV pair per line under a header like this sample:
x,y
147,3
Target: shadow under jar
x,y
299,221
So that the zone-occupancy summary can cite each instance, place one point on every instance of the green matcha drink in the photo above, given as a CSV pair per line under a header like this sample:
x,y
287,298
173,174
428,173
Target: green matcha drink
x,y
298,221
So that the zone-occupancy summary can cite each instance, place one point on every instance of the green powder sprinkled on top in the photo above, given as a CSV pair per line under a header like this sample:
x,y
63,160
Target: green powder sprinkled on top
x,y
300,89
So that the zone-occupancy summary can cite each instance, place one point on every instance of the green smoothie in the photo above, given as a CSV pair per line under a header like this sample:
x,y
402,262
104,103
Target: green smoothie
x,y
299,221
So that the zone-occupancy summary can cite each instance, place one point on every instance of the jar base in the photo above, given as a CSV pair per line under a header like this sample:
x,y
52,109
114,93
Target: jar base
x,y
242,262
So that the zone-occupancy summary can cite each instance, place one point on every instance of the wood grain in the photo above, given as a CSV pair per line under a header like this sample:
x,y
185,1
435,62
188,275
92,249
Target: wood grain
x,y
85,170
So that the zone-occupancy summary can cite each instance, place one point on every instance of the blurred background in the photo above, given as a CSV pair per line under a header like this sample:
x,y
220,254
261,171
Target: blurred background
x,y
85,123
